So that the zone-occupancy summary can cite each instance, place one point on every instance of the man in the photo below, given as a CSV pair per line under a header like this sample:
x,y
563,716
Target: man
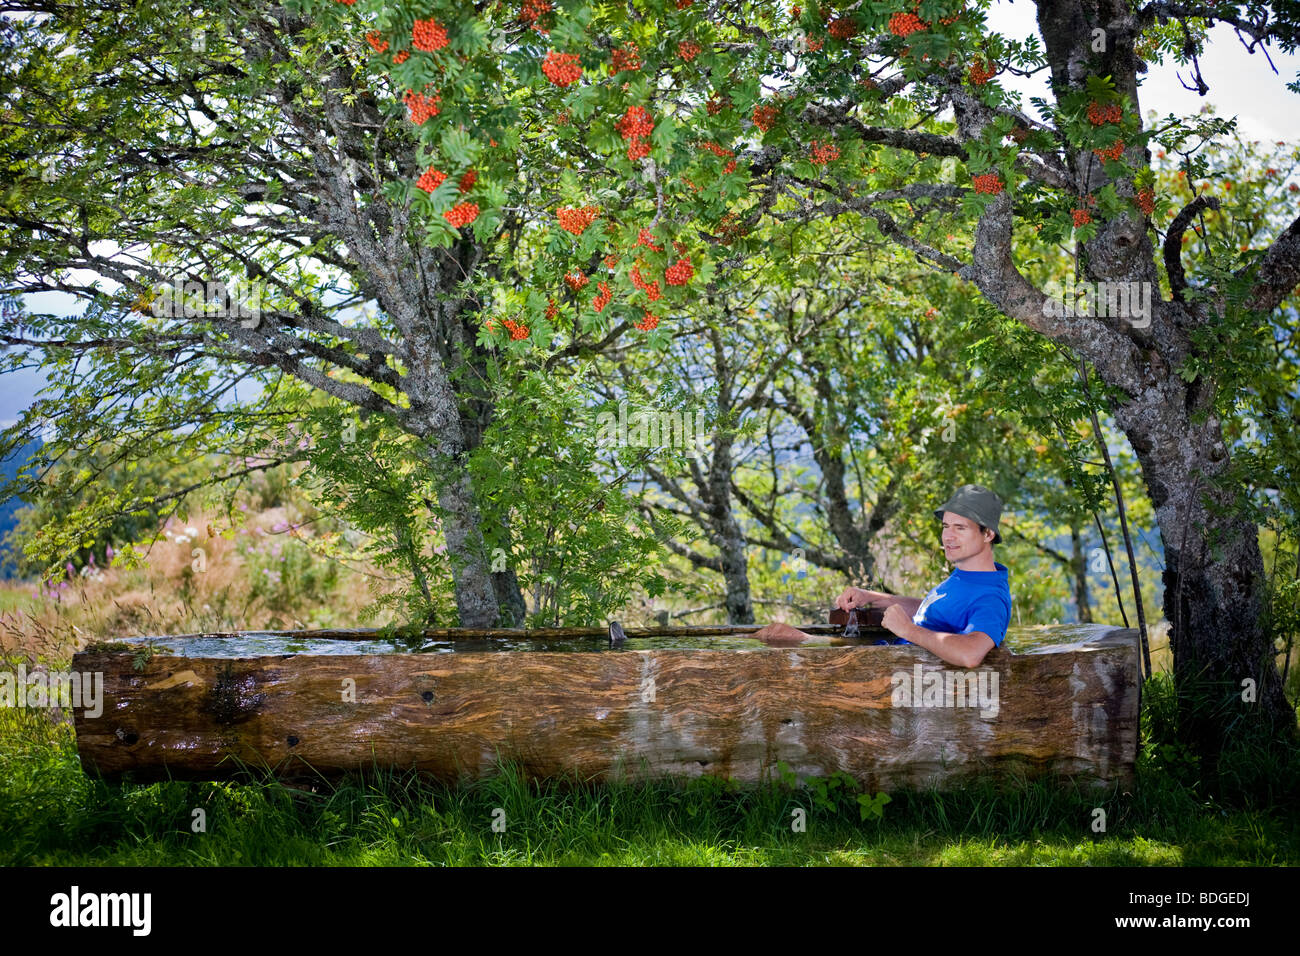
x,y
963,618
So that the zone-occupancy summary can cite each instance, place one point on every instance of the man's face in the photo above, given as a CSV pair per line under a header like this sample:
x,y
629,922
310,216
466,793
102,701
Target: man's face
x,y
962,538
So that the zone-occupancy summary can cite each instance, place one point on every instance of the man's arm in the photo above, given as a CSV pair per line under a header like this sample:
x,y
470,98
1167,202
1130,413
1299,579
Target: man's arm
x,y
860,597
964,650
985,616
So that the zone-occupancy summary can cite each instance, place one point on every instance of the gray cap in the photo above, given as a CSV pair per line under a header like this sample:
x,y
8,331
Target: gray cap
x,y
977,503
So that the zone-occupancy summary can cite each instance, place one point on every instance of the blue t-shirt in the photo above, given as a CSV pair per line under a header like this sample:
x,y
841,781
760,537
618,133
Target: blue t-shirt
x,y
968,601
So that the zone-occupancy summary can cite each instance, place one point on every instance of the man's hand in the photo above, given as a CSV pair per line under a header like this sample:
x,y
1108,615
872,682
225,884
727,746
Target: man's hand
x,y
898,622
778,633
851,598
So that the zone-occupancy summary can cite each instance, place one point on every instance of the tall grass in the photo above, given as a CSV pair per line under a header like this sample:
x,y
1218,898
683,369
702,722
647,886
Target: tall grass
x,y
53,813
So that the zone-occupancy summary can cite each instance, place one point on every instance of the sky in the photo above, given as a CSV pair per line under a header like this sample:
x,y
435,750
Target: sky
x,y
1240,84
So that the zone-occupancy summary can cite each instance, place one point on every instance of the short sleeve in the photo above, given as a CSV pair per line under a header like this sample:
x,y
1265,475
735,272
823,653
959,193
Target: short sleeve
x,y
990,615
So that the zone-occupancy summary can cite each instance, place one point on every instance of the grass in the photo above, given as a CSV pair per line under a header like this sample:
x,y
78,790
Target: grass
x,y
51,813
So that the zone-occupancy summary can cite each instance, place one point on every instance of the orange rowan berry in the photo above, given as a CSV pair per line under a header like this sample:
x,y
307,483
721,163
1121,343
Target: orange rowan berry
x,y
823,153
905,24
431,180
577,220
462,214
626,57
428,36
421,107
562,69
980,72
842,28
679,273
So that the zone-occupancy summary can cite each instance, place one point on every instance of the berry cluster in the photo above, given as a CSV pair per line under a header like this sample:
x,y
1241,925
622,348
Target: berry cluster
x,y
843,28
468,180
431,180
611,261
461,214
989,183
765,117
1146,200
651,289
721,153
577,220
1081,217
683,4
603,297
532,10
562,69
815,44
647,238
688,50
730,228
1111,152
680,247
576,279
634,127
648,322
376,41
981,72
428,36
636,122
905,24
346,2
552,310
680,272
517,330
823,153
401,56
1099,115
716,104
947,21
626,57
796,13
421,107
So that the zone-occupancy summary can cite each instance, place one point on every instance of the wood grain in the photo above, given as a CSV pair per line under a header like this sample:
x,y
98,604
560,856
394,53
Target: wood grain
x,y
1069,711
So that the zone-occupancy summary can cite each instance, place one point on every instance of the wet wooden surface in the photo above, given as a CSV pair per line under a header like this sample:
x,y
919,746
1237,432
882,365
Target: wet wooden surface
x,y
1067,711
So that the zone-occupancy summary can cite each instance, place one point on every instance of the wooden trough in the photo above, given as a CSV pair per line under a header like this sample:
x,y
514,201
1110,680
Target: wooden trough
x,y
890,716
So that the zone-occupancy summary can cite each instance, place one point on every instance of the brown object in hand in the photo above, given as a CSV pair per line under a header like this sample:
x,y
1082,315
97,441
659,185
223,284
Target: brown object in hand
x,y
865,616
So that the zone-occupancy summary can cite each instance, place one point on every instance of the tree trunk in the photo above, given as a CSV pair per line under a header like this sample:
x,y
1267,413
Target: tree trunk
x,y
728,534
1079,569
1223,661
